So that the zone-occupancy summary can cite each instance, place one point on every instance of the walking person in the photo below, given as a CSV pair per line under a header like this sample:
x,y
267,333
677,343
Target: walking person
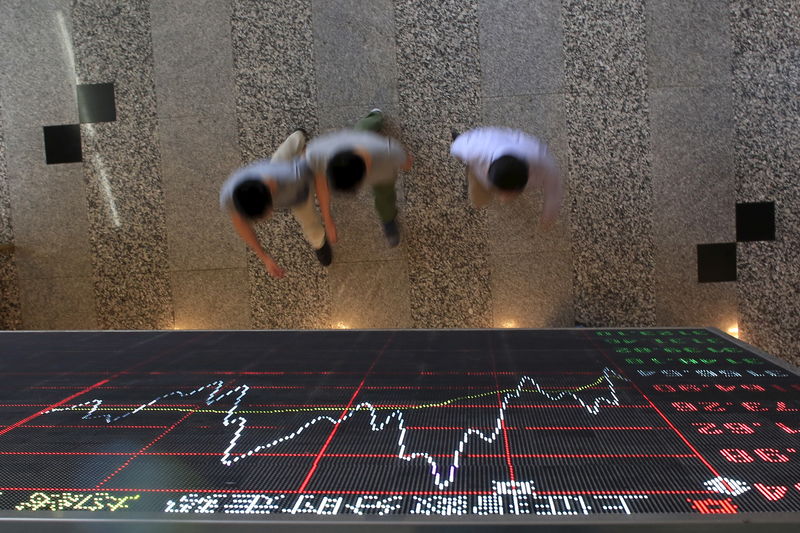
x,y
502,162
350,159
284,181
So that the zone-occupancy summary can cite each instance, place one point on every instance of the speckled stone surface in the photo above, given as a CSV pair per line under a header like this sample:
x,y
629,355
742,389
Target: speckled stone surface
x,y
211,299
439,89
693,182
276,93
301,299
611,187
768,288
121,164
370,294
37,85
37,77
521,47
688,43
693,185
610,175
634,97
449,272
766,79
532,290
58,303
193,61
681,300
56,245
10,313
274,73
197,154
604,45
354,49
134,300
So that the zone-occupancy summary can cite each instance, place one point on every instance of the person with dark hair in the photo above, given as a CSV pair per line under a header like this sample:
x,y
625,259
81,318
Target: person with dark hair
x,y
501,161
350,159
283,182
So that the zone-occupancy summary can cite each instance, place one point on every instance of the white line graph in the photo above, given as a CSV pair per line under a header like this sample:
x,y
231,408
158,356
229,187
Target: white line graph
x,y
443,475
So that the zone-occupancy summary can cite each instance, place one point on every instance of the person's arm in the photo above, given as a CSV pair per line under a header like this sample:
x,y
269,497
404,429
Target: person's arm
x,y
464,146
248,235
553,193
324,196
409,162
400,156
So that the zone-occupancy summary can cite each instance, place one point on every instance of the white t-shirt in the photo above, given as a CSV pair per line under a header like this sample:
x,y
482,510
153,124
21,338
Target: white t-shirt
x,y
388,155
480,147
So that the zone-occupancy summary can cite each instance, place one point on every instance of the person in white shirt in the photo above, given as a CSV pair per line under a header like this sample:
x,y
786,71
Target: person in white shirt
x,y
285,181
352,158
502,162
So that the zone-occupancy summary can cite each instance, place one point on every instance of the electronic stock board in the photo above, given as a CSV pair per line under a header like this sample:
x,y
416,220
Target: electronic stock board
x,y
410,427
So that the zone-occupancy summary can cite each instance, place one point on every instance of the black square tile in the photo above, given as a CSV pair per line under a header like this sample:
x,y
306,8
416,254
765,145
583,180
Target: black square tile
x,y
62,144
716,262
96,103
755,221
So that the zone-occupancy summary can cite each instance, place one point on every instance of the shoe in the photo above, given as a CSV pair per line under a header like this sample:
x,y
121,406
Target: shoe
x,y
375,110
392,233
303,131
325,254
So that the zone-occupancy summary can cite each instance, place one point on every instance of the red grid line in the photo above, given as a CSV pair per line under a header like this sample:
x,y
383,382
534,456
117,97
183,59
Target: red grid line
x,y
107,426
143,450
52,406
367,455
543,428
105,404
410,406
364,492
506,445
341,416
290,373
657,410
98,384
334,387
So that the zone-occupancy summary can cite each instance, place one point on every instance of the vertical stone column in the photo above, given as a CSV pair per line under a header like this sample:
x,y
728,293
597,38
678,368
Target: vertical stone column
x,y
127,226
610,169
276,94
766,81
439,84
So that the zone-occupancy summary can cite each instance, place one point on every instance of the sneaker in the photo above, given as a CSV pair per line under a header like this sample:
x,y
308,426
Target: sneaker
x,y
392,233
375,110
325,254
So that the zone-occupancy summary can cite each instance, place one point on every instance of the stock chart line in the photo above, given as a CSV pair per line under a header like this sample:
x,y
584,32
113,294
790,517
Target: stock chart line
x,y
443,477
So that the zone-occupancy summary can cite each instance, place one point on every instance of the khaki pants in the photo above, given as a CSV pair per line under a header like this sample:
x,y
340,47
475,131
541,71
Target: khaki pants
x,y
479,195
305,213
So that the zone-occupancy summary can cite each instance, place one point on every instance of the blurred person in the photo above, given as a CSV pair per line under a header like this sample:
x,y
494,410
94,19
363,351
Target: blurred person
x,y
350,159
502,162
284,181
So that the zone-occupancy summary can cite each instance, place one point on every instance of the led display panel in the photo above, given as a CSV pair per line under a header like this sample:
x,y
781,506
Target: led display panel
x,y
396,424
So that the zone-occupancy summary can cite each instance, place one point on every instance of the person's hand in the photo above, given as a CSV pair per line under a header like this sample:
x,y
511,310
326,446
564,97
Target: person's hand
x,y
409,162
274,270
332,237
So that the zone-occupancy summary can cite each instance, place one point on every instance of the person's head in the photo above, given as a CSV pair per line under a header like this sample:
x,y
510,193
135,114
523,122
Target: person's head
x,y
508,174
252,198
346,171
